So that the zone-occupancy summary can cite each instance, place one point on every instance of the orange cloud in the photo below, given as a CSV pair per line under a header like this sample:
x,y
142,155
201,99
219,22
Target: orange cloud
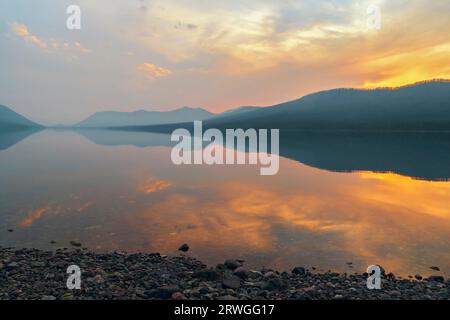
x,y
152,71
22,31
154,184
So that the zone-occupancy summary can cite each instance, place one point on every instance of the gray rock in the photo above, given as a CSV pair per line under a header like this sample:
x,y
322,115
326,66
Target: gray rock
x,y
270,274
231,282
232,264
241,272
226,298
395,294
37,264
207,274
184,248
75,244
436,278
178,296
252,274
274,284
12,265
164,292
435,268
48,298
67,296
299,271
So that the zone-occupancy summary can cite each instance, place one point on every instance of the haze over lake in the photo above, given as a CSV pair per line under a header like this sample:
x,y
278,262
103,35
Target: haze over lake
x,y
120,191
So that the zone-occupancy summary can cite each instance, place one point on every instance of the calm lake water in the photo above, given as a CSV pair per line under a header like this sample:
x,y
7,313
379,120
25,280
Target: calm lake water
x,y
328,205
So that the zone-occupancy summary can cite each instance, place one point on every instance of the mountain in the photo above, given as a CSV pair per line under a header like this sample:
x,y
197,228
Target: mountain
x,y
421,106
142,117
236,111
10,120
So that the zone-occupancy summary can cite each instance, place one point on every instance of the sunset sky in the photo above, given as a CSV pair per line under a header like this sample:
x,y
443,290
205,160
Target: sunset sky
x,y
164,54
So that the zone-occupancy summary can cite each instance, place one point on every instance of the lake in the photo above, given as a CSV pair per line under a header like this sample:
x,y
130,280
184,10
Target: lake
x,y
338,198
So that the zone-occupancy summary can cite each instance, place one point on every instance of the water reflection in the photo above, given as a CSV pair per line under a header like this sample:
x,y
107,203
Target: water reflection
x,y
62,187
9,138
424,155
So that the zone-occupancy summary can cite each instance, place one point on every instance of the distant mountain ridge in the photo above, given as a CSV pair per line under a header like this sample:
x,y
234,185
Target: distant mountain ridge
x,y
143,117
421,106
10,120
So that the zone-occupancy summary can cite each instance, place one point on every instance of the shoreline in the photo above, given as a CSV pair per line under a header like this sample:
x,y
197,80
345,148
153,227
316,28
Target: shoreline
x,y
33,274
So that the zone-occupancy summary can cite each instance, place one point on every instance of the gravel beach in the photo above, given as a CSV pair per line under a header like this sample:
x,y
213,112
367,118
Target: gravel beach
x,y
35,274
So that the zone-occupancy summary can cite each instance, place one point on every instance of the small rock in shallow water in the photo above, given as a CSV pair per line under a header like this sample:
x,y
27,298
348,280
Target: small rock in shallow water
x,y
10,230
184,248
435,268
418,277
232,264
299,271
75,244
391,276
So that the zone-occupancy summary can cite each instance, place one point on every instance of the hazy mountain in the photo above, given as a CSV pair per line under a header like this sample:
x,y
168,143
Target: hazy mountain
x,y
422,106
236,111
10,120
142,117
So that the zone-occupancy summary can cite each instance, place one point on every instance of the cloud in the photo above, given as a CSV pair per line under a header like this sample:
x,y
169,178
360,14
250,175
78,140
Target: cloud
x,y
22,31
153,184
152,71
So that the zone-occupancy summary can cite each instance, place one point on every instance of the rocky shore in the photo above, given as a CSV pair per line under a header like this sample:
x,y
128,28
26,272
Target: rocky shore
x,y
35,274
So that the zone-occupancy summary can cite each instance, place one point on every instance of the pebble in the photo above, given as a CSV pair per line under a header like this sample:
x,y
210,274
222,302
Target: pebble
x,y
435,268
231,282
75,244
299,271
184,248
232,264
241,272
178,296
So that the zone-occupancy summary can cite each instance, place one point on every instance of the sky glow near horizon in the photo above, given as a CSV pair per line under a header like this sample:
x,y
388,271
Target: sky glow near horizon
x,y
160,55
